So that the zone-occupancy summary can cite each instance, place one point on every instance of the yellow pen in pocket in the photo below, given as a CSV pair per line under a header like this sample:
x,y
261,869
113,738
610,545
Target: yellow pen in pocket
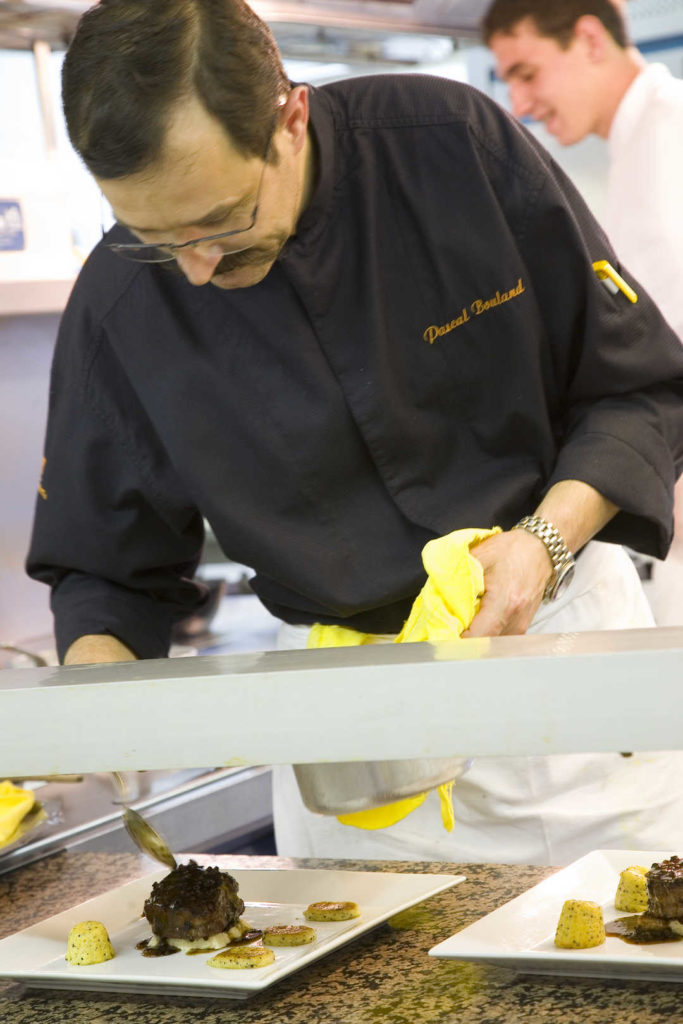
x,y
613,281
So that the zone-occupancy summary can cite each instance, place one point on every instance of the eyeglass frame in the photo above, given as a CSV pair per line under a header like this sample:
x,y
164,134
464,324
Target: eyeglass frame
x,y
124,249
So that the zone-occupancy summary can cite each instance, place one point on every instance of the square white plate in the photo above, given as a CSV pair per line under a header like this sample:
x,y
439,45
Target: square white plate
x,y
520,934
35,956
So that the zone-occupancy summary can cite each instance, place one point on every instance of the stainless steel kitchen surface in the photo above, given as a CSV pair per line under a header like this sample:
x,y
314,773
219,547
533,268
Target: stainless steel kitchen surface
x,y
226,810
503,696
203,810
498,696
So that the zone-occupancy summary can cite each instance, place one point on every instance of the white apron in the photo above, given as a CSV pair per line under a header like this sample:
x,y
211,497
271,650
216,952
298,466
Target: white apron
x,y
522,810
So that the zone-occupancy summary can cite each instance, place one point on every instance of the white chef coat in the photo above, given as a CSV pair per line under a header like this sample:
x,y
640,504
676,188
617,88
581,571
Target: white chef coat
x,y
644,205
527,810
644,220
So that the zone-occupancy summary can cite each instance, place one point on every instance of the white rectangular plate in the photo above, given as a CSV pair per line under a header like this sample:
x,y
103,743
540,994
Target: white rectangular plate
x,y
520,934
35,956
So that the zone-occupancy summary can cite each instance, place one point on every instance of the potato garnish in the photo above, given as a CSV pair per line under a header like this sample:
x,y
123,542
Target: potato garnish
x,y
241,957
89,943
288,935
580,926
328,911
632,890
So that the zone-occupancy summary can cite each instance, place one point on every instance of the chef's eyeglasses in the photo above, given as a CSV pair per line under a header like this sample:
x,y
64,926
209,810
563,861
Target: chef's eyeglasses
x,y
163,252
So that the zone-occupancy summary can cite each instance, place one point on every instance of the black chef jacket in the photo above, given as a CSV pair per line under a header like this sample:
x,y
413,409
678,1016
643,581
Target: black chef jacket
x,y
433,350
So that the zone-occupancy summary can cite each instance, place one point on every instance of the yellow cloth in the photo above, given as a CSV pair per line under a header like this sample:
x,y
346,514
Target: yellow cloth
x,y
15,804
443,610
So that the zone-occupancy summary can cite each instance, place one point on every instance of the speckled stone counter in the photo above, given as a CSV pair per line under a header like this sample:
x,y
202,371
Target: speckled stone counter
x,y
384,977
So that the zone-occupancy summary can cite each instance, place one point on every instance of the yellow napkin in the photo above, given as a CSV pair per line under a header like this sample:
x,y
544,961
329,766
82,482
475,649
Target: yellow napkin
x,y
442,610
15,803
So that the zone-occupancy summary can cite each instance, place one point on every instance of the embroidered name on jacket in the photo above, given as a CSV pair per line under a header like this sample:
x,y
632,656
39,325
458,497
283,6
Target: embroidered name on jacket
x,y
476,308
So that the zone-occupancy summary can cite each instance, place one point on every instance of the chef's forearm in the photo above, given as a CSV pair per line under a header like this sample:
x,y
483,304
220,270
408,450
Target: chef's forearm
x,y
97,649
577,511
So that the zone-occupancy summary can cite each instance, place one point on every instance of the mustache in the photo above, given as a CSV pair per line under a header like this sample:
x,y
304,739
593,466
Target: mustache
x,y
255,256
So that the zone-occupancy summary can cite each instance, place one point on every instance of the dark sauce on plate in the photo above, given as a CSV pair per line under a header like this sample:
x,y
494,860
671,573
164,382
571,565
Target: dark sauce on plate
x,y
641,929
163,949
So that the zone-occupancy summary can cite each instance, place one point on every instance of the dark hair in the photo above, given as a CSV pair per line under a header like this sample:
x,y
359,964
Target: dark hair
x,y
553,18
130,61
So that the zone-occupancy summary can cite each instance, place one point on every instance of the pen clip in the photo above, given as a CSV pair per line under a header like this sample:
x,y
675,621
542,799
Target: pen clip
x,y
612,280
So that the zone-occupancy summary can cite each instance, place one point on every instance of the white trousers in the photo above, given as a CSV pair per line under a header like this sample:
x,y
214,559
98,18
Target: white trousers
x,y
665,591
522,810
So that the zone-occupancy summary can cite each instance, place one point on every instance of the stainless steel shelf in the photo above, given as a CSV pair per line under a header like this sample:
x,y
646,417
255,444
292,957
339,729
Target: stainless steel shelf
x,y
200,810
507,695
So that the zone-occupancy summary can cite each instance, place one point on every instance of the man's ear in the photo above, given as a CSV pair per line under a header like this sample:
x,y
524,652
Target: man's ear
x,y
294,116
593,35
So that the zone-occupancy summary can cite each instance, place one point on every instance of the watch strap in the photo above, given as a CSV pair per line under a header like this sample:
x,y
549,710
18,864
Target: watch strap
x,y
560,555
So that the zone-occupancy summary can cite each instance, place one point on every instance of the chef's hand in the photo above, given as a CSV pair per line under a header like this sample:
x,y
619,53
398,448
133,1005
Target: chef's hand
x,y
517,566
517,569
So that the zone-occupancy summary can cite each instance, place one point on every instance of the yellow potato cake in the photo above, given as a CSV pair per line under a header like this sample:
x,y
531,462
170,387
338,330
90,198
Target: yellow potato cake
x,y
288,935
88,943
238,958
344,910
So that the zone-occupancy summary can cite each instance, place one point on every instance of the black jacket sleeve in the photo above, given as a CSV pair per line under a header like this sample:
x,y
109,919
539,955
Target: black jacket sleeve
x,y
114,534
614,369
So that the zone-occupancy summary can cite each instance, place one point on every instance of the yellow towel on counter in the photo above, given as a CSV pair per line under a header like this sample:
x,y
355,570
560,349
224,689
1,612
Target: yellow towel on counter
x,y
15,803
442,611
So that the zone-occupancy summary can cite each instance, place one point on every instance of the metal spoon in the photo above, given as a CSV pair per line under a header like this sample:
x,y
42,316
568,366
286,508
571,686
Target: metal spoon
x,y
35,658
145,837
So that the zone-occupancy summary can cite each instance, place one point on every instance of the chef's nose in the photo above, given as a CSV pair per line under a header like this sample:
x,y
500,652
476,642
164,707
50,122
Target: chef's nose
x,y
520,99
198,264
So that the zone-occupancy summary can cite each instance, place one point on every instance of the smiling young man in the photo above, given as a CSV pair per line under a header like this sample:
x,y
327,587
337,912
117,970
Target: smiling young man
x,y
381,323
566,64
570,65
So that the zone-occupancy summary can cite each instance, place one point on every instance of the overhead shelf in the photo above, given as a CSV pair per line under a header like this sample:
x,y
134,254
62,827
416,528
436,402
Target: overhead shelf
x,y
579,692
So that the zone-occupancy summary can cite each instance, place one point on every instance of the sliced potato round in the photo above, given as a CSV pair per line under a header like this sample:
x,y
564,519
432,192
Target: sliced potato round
x,y
239,957
288,935
344,910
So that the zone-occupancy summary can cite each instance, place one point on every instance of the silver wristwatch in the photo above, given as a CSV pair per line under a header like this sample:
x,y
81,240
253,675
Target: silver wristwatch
x,y
560,555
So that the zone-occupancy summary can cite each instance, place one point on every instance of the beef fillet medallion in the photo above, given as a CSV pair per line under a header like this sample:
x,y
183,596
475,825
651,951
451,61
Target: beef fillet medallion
x,y
193,907
665,889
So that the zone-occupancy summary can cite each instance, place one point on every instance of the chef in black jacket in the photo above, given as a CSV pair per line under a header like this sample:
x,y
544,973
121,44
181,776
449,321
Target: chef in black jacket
x,y
337,323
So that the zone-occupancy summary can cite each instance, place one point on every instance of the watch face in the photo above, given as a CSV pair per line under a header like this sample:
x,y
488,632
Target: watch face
x,y
564,578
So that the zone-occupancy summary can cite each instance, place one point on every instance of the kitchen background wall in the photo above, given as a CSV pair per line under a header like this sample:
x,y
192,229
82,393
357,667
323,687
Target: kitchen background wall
x,y
67,219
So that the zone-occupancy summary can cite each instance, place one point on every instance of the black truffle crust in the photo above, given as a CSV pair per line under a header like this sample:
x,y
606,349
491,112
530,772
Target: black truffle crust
x,y
665,889
193,903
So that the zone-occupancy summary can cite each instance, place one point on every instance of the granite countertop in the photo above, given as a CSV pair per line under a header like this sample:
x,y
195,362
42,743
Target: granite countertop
x,y
384,977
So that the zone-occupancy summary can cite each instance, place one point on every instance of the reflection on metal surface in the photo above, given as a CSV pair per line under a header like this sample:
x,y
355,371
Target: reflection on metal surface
x,y
34,659
198,810
42,816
